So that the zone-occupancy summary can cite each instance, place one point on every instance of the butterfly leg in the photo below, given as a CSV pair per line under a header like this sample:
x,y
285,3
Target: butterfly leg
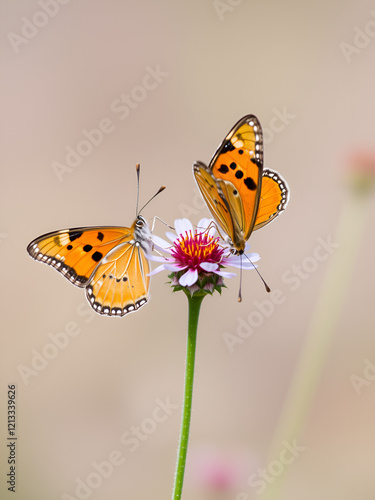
x,y
161,220
211,225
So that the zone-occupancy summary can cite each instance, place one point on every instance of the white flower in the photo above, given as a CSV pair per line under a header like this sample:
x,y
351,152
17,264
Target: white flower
x,y
199,253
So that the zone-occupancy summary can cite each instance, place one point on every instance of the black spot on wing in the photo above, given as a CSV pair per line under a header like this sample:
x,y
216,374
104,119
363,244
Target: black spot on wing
x,y
100,236
223,169
233,165
87,248
97,256
239,174
240,151
250,184
73,235
227,146
69,247
256,162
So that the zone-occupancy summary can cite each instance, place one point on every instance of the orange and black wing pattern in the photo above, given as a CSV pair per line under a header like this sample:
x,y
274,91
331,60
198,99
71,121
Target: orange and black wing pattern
x,y
120,283
212,192
236,178
110,262
76,252
240,195
274,198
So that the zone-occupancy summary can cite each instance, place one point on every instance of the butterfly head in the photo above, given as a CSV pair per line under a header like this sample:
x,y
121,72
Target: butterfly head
x,y
140,222
142,233
237,244
236,251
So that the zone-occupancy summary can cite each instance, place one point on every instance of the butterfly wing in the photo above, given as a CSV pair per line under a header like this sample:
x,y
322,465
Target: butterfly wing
x,y
214,197
236,168
76,252
239,160
273,199
110,262
120,283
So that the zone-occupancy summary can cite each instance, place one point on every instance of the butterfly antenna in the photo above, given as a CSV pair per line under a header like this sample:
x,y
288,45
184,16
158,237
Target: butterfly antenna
x,y
260,276
138,168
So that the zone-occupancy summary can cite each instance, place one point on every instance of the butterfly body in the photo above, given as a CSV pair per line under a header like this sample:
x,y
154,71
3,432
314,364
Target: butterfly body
x,y
240,194
109,262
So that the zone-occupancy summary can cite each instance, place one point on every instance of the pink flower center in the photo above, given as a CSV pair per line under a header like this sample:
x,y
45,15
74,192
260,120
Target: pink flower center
x,y
193,249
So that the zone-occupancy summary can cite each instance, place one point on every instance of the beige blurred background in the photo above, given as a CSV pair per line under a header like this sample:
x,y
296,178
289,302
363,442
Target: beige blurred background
x,y
65,69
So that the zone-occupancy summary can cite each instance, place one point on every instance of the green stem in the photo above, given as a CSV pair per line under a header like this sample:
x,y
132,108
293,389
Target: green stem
x,y
194,308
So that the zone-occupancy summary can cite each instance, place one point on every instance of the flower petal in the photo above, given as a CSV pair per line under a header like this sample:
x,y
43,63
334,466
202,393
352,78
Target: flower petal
x,y
171,236
189,278
183,225
225,274
246,265
241,261
208,223
253,256
158,258
157,270
174,267
160,243
208,266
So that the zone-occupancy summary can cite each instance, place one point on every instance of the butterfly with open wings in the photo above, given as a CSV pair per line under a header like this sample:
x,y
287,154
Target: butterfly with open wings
x,y
110,262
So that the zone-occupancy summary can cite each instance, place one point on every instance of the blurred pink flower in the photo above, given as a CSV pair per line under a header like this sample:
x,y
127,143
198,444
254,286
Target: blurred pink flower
x,y
361,167
219,470
362,161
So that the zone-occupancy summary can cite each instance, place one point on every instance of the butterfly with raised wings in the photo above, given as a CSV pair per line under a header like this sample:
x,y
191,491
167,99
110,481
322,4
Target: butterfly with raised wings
x,y
109,262
240,194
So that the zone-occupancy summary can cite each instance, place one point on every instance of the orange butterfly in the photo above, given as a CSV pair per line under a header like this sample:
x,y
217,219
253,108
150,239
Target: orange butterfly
x,y
109,262
241,196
